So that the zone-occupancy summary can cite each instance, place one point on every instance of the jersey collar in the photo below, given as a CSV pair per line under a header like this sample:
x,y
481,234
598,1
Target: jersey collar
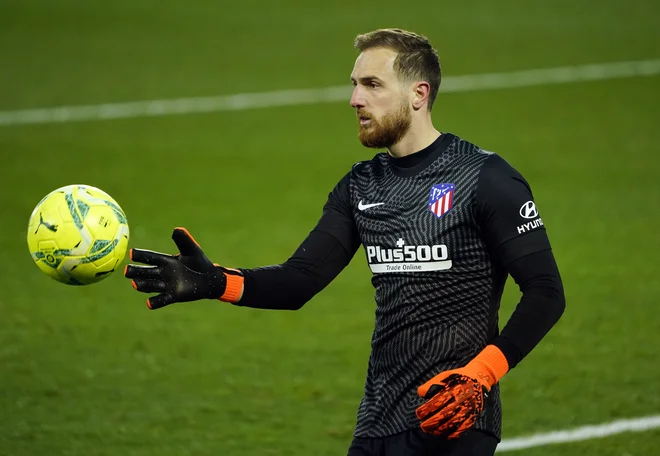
x,y
412,164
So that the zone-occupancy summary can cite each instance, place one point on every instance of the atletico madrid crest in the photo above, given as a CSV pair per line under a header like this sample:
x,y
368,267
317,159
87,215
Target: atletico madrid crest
x,y
441,199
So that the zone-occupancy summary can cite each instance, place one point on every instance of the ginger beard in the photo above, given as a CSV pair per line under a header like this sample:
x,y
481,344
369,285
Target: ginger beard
x,y
384,133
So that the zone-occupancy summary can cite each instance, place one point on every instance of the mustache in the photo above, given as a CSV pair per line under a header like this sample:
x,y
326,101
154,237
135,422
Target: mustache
x,y
363,115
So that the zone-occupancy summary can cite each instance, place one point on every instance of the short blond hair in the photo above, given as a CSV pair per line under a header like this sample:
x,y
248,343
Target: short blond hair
x,y
416,57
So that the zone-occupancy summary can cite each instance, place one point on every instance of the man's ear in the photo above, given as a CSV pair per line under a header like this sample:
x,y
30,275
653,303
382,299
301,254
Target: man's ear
x,y
421,92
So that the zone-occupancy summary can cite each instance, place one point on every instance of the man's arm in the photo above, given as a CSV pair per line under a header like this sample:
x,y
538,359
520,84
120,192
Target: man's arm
x,y
540,307
515,235
191,276
517,242
288,286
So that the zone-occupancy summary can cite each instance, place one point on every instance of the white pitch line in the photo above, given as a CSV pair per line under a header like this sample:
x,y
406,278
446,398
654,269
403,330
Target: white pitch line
x,y
581,433
243,101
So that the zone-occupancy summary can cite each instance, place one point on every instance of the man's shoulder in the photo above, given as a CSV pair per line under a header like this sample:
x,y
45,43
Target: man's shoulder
x,y
467,147
360,171
377,162
491,164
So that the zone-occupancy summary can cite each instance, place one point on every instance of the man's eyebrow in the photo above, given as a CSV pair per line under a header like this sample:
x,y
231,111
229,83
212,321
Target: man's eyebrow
x,y
366,79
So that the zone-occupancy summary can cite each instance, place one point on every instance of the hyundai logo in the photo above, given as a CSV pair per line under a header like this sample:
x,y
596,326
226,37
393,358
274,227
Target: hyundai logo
x,y
528,210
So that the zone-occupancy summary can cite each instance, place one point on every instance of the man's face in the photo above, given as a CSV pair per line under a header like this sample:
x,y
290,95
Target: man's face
x,y
383,106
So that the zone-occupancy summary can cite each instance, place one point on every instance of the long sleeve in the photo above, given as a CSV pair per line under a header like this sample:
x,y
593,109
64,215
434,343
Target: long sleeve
x,y
517,238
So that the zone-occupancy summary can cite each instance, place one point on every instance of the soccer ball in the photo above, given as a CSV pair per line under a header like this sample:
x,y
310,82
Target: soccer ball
x,y
78,234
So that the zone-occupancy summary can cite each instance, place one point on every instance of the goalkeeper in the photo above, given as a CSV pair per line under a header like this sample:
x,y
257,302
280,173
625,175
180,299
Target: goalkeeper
x,y
443,224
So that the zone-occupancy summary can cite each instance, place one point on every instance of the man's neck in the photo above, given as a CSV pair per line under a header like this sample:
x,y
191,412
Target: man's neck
x,y
414,141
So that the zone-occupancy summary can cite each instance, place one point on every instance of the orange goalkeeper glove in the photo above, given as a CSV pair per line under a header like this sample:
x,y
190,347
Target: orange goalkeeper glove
x,y
456,397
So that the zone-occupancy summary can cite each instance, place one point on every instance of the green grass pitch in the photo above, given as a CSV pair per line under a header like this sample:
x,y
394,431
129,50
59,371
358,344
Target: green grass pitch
x,y
90,371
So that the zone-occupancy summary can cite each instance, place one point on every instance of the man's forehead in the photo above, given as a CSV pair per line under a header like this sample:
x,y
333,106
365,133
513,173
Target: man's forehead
x,y
375,62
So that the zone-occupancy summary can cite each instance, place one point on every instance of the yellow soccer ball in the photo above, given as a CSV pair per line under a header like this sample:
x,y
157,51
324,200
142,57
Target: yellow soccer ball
x,y
78,234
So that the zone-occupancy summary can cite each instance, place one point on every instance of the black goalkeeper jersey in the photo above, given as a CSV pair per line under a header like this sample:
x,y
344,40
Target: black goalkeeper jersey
x,y
439,229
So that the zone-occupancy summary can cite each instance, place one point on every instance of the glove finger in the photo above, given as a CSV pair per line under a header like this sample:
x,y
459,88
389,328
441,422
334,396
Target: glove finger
x,y
191,252
162,300
149,257
462,421
134,271
452,428
423,391
434,389
148,286
456,429
185,242
437,402
435,422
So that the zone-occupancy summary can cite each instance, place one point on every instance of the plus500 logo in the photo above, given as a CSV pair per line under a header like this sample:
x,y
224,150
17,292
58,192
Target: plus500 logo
x,y
409,253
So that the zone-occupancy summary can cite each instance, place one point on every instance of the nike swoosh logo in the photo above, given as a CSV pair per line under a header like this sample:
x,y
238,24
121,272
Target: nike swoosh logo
x,y
367,206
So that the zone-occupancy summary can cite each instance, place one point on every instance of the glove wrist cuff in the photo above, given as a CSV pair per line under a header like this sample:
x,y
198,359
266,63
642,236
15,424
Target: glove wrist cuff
x,y
490,365
233,288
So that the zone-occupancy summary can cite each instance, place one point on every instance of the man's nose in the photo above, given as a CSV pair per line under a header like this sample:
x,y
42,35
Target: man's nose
x,y
357,98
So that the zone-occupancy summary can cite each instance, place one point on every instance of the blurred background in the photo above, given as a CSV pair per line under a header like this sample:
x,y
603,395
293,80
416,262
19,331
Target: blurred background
x,y
90,371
